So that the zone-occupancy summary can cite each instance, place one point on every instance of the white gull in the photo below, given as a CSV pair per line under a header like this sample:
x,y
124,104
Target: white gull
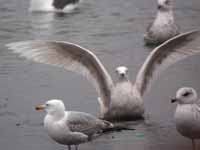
x,y
70,127
187,114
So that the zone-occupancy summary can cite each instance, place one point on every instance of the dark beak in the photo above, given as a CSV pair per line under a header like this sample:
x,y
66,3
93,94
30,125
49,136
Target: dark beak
x,y
173,100
159,6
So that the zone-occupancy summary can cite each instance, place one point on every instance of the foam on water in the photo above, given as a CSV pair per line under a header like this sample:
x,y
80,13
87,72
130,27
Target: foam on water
x,y
41,5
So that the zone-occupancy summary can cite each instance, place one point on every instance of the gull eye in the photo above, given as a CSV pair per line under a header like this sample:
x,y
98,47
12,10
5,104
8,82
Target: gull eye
x,y
186,94
47,105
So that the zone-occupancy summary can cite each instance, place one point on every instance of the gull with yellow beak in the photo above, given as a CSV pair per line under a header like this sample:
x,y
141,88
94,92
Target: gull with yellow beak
x,y
70,127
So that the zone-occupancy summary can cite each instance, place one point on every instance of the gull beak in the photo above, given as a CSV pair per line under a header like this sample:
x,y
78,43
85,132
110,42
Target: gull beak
x,y
173,100
123,74
159,6
40,107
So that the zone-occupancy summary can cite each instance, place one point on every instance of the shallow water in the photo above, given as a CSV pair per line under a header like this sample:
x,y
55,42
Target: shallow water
x,y
113,30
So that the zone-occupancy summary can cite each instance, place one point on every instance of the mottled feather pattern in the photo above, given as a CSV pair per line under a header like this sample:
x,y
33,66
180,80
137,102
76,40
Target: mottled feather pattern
x,y
171,51
85,123
196,110
71,57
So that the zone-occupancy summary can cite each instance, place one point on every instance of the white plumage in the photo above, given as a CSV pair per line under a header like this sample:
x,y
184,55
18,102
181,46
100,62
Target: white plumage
x,y
70,127
53,5
187,114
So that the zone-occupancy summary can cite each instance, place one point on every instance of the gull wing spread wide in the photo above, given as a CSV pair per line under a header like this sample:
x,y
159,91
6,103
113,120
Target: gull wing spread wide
x,y
71,57
168,53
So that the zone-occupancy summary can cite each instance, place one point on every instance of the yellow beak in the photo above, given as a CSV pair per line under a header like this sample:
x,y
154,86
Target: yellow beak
x,y
40,107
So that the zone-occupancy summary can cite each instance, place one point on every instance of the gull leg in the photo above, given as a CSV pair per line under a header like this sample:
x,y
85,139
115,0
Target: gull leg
x,y
193,144
76,147
69,147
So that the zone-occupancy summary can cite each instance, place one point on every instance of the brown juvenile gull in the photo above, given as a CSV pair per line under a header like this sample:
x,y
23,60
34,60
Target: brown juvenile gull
x,y
187,114
70,127
53,5
164,26
118,101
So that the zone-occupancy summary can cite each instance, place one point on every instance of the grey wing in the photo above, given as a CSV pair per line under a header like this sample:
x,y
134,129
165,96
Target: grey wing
x,y
71,57
168,53
84,122
60,4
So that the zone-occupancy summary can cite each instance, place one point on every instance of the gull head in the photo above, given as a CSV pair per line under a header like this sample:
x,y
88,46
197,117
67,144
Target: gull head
x,y
122,72
53,107
164,5
185,95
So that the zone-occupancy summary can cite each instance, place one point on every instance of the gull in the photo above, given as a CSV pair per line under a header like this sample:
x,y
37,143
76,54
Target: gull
x,y
187,114
164,26
121,100
70,127
53,5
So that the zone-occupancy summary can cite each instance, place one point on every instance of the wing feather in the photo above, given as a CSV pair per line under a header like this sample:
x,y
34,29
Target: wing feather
x,y
168,53
71,57
85,123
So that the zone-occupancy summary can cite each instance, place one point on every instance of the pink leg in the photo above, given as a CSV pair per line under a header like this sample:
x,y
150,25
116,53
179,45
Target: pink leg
x,y
193,144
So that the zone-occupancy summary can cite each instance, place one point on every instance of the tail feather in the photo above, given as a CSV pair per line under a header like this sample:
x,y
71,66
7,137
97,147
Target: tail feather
x,y
109,127
108,124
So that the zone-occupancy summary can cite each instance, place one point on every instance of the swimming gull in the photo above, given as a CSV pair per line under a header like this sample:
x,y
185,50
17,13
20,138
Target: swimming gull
x,y
53,5
164,26
70,127
187,114
122,100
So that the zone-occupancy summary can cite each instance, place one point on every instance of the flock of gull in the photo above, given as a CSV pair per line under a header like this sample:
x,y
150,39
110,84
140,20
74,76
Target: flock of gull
x,y
122,100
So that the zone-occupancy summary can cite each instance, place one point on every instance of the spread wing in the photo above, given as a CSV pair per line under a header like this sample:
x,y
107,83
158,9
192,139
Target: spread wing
x,y
83,122
168,53
71,57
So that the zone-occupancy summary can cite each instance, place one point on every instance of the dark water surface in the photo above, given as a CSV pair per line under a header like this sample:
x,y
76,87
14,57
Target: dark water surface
x,y
113,29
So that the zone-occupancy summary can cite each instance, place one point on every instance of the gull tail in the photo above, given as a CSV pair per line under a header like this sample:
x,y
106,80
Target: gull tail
x,y
107,124
110,127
